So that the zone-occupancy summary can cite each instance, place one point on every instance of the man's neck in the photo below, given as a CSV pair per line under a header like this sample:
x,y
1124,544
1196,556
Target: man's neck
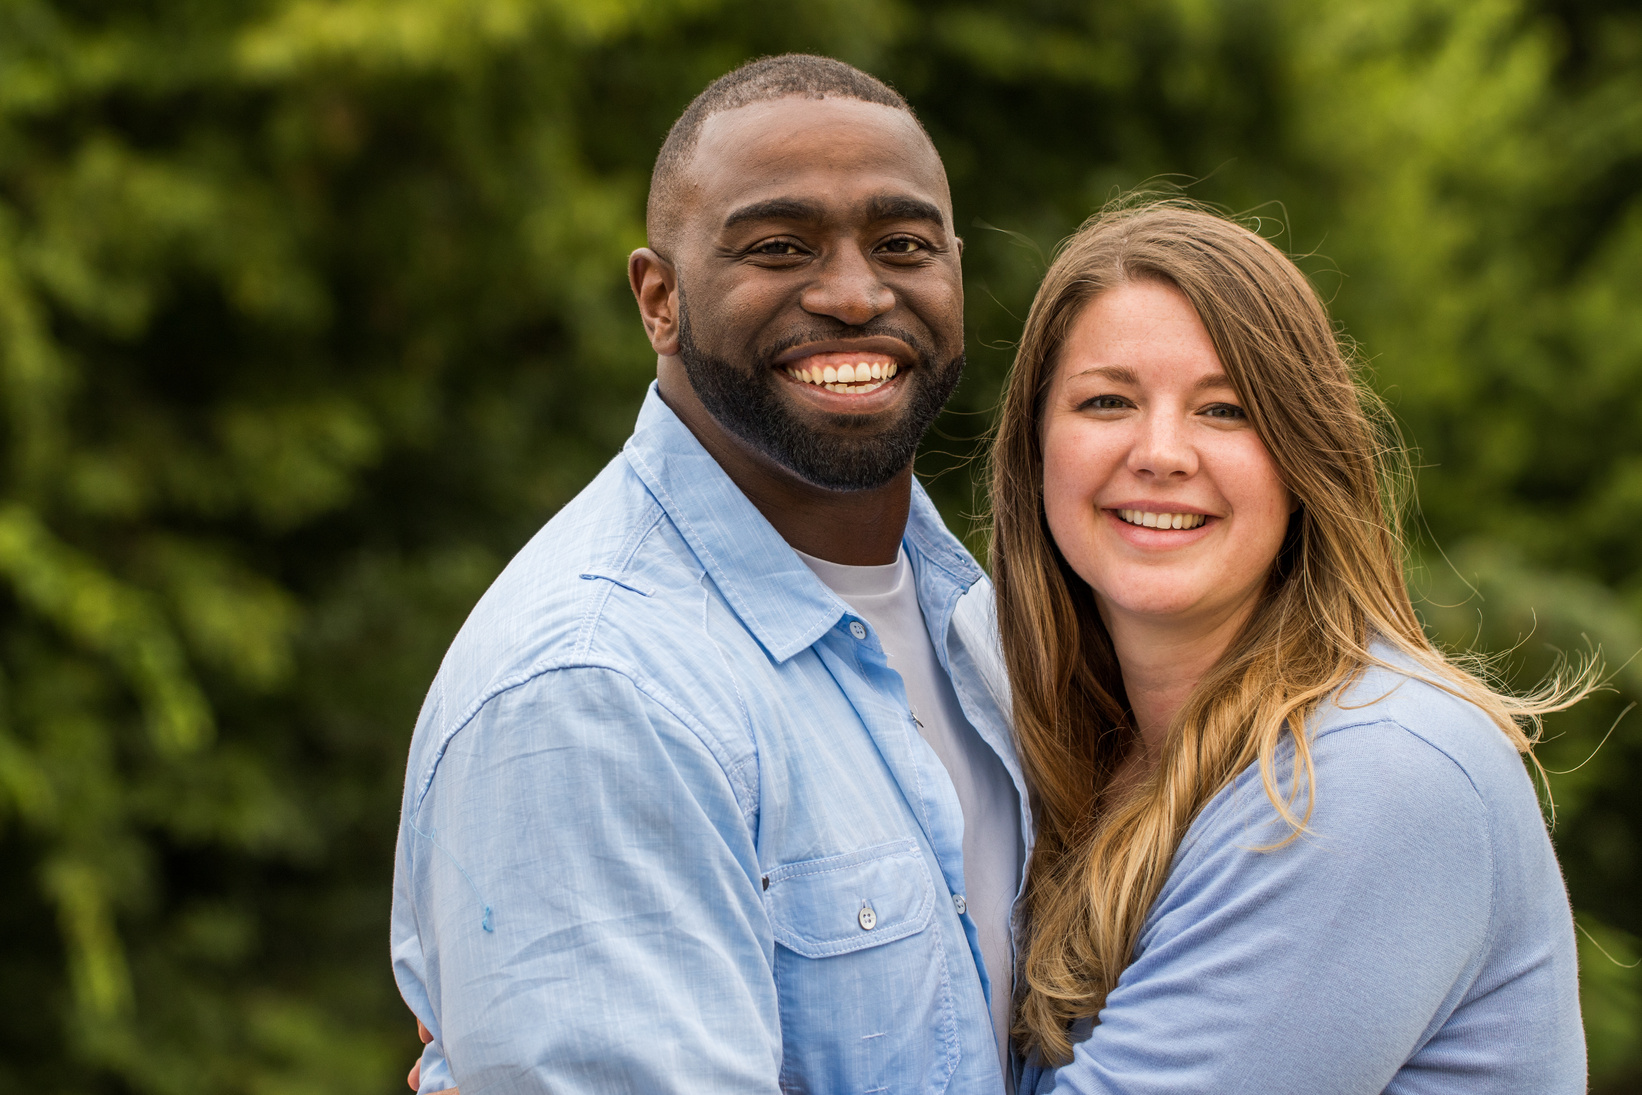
x,y
857,528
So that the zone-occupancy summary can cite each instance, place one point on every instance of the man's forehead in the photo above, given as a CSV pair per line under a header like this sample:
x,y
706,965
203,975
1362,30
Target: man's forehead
x,y
792,145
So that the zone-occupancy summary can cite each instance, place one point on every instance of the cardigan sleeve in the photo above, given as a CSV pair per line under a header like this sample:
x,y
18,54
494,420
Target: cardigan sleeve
x,y
1319,966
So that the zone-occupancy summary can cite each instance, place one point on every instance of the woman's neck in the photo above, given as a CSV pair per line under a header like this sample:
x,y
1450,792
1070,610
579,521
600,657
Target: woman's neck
x,y
1162,662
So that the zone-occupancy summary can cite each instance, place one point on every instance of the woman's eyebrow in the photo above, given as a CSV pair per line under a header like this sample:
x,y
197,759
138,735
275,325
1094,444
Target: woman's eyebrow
x,y
1122,374
1115,374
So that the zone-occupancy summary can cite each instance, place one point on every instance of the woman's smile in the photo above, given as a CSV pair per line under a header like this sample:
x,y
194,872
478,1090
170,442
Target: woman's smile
x,y
1148,519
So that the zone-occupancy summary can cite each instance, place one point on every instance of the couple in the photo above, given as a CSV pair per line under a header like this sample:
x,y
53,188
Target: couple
x,y
724,785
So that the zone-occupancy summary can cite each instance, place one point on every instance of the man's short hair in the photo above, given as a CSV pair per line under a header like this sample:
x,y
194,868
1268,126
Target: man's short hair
x,y
803,75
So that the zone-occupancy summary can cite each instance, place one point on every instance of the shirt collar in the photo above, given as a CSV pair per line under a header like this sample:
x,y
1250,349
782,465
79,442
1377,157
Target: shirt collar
x,y
782,602
928,536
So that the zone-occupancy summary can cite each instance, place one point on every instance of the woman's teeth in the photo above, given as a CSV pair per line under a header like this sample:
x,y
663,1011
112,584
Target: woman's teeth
x,y
850,379
1161,520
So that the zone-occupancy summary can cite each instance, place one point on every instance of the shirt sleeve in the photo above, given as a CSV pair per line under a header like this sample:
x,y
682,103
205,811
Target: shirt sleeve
x,y
1314,969
578,907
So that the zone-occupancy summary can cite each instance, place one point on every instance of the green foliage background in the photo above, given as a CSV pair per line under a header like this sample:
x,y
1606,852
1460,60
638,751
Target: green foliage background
x,y
312,310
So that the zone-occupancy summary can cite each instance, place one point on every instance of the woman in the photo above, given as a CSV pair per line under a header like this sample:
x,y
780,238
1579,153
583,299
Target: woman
x,y
1284,844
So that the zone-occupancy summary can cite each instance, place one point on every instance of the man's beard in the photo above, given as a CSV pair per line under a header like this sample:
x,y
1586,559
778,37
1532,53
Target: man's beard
x,y
750,407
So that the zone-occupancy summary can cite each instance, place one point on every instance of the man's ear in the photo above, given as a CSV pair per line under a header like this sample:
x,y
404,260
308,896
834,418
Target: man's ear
x,y
655,287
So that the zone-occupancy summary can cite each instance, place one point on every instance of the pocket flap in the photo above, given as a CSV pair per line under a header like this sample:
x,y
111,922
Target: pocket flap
x,y
815,906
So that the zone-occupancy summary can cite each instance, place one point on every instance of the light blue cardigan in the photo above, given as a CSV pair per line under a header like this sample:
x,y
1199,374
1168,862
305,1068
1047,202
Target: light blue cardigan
x,y
1417,940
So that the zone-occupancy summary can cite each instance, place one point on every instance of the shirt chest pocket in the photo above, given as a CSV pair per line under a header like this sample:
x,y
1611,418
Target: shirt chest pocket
x,y
861,972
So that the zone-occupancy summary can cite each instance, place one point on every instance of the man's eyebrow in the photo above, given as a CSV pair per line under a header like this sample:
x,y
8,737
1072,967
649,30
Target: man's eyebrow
x,y
900,207
883,207
776,209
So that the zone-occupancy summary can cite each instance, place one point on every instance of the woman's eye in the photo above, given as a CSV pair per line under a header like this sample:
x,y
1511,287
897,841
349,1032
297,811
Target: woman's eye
x,y
1105,403
1223,410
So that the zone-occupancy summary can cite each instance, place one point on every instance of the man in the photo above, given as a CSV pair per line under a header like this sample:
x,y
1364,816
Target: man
x,y
714,791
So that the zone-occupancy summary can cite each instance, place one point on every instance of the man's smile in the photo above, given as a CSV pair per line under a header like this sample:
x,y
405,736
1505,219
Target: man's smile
x,y
845,373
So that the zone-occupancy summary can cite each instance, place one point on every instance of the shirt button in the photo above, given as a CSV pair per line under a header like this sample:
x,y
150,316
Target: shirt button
x,y
959,903
858,629
867,918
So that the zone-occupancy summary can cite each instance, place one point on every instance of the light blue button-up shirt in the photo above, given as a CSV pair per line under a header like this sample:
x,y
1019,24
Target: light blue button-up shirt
x,y
668,824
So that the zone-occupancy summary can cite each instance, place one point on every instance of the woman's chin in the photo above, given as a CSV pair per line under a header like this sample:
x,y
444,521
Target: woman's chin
x,y
1166,609
1169,607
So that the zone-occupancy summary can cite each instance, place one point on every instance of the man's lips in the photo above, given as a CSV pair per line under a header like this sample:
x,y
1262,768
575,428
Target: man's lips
x,y
880,345
846,373
853,369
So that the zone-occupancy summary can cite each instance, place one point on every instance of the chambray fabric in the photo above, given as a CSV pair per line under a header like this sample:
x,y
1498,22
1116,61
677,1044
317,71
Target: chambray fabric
x,y
1417,941
668,825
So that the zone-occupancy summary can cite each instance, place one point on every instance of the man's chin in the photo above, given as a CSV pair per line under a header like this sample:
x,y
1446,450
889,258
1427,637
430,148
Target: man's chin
x,y
837,444
834,459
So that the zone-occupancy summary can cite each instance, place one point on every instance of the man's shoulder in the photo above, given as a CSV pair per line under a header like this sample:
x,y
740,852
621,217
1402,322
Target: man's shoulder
x,y
607,585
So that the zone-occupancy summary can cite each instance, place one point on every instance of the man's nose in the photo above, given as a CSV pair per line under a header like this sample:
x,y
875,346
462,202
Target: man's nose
x,y
1162,447
848,288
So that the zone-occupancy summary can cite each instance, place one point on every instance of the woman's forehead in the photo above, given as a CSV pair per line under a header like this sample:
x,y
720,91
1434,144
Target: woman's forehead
x,y
1140,333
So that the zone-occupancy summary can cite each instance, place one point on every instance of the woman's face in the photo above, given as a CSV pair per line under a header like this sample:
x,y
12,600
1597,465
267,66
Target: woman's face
x,y
1157,489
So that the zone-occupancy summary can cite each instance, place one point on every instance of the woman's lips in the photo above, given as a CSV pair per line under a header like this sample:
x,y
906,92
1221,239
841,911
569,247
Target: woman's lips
x,y
1148,519
1130,525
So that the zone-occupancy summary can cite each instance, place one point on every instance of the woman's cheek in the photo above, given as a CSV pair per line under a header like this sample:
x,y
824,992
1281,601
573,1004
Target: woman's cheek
x,y
1255,488
1071,517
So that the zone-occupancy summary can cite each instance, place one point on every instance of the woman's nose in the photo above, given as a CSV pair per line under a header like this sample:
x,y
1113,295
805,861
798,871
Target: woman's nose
x,y
848,289
1162,448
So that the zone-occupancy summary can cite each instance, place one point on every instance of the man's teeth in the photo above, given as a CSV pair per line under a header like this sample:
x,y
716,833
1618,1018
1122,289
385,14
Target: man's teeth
x,y
1161,520
853,379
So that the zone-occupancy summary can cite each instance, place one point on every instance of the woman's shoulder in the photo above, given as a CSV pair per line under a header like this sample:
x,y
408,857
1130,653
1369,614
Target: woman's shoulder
x,y
1401,728
1396,760
1423,884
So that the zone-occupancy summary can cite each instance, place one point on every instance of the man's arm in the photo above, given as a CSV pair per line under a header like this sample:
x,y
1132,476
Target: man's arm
x,y
578,905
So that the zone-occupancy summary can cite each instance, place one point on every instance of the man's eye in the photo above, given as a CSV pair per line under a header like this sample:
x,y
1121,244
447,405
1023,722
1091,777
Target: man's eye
x,y
902,245
779,248
1223,410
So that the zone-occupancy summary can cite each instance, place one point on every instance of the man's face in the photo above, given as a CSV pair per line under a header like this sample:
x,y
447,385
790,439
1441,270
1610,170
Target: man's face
x,y
820,295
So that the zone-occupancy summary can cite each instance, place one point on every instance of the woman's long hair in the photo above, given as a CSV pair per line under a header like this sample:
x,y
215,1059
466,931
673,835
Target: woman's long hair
x,y
1336,585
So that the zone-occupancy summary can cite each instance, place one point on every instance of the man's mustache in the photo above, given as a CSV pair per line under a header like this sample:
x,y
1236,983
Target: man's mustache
x,y
830,332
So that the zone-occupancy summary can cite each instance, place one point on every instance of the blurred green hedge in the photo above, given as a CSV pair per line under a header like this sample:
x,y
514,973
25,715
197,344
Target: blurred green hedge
x,y
311,311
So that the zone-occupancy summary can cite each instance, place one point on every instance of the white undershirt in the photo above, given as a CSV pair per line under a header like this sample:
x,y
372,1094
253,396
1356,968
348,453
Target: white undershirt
x,y
887,598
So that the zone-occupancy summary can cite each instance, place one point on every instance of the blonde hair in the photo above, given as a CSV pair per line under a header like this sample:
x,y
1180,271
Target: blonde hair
x,y
1336,585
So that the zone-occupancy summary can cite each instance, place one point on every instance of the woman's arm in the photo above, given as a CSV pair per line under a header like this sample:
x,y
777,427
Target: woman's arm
x,y
1322,966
